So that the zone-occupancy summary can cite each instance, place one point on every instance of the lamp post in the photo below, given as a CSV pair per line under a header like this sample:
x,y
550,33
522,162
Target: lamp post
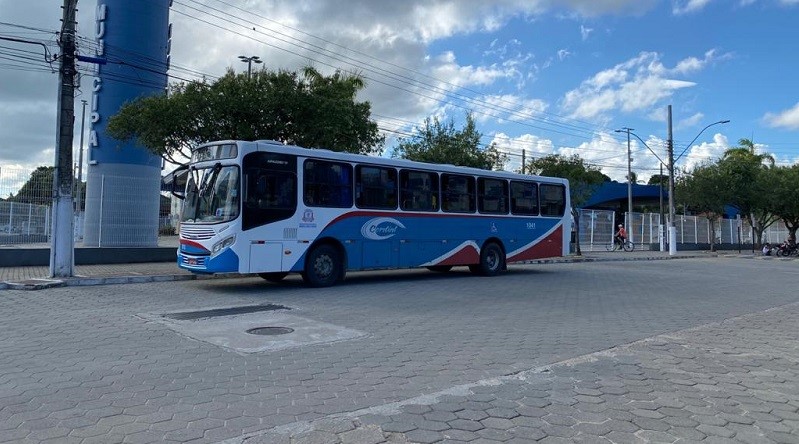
x,y
80,157
627,220
249,61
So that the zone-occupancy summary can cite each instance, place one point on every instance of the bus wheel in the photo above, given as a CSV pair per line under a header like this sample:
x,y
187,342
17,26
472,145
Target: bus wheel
x,y
273,277
322,267
492,261
440,268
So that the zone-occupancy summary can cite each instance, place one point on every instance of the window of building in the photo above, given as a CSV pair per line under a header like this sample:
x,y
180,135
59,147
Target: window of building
x,y
523,198
327,184
375,187
492,196
553,200
457,193
418,190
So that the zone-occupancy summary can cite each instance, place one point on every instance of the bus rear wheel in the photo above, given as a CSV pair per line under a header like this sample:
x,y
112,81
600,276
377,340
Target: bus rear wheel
x,y
440,268
322,267
273,277
492,261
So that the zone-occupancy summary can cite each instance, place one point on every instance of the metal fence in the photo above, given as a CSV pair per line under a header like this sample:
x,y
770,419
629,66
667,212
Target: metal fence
x,y
26,211
26,200
598,226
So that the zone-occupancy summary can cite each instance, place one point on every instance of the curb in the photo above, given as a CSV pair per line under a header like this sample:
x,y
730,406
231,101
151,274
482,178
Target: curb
x,y
83,281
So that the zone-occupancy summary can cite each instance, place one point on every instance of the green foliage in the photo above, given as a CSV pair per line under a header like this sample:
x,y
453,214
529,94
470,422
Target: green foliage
x,y
583,178
442,143
38,190
748,177
657,179
785,202
310,110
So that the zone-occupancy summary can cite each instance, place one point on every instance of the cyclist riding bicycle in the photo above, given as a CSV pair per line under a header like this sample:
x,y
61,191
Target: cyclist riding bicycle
x,y
620,236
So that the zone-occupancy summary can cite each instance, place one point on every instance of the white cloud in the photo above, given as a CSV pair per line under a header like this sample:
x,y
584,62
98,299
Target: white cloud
x,y
787,119
681,7
532,146
563,53
507,107
705,152
632,86
690,121
585,32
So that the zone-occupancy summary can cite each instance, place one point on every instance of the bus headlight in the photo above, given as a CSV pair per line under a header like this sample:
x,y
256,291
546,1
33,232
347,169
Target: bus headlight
x,y
221,245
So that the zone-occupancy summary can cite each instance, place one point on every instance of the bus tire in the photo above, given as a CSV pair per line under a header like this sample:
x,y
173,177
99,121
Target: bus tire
x,y
322,266
440,268
492,260
273,277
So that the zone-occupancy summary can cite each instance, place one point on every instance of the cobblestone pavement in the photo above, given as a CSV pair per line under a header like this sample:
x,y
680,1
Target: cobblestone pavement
x,y
538,353
734,381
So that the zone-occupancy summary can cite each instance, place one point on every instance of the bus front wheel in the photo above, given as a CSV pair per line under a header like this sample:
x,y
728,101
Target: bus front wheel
x,y
492,261
322,267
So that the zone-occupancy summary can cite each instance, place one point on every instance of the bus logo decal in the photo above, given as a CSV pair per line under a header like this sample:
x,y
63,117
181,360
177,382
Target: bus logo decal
x,y
307,216
381,228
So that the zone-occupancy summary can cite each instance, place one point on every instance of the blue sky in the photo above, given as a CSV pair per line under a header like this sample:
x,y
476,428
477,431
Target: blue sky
x,y
543,76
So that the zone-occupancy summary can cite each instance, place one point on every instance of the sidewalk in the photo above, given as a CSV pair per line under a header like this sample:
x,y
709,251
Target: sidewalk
x,y
37,277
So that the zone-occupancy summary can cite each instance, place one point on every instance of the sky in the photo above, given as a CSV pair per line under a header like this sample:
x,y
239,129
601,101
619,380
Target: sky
x,y
539,76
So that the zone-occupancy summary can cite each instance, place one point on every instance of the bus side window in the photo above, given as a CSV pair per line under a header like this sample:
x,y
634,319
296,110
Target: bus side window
x,y
419,190
376,187
553,200
492,196
327,184
524,198
457,193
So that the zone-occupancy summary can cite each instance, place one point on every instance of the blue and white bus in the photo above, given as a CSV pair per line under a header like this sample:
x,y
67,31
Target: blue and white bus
x,y
267,208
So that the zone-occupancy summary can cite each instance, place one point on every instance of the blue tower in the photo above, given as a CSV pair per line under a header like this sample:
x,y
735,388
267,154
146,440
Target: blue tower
x,y
123,178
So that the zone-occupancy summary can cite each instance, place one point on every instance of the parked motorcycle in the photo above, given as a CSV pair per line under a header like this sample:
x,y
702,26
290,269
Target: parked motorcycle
x,y
786,249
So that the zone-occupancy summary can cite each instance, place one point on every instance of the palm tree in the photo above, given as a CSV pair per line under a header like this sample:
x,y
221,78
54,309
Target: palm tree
x,y
746,173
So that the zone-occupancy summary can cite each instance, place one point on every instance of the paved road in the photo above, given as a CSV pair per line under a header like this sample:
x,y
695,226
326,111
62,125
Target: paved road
x,y
600,352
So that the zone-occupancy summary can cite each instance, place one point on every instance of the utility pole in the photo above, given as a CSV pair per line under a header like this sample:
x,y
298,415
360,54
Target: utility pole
x,y
672,227
661,239
524,155
62,244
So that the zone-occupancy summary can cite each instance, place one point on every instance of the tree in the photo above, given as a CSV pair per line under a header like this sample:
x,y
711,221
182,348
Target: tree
x,y
658,179
705,191
38,190
583,180
310,110
747,175
786,197
442,143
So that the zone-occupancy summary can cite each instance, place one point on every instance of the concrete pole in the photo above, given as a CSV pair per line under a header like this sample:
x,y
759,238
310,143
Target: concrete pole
x,y
672,228
629,218
62,242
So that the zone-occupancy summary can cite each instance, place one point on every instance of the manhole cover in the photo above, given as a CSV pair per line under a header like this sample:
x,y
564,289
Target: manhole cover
x,y
270,331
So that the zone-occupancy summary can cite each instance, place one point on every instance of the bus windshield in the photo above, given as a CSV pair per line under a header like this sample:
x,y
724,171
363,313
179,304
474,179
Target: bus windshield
x,y
212,195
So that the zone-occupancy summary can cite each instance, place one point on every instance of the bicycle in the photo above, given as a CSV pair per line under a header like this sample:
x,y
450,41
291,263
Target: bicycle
x,y
626,246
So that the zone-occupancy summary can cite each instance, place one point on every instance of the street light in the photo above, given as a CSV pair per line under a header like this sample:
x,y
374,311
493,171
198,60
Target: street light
x,y
697,136
80,156
627,220
249,61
